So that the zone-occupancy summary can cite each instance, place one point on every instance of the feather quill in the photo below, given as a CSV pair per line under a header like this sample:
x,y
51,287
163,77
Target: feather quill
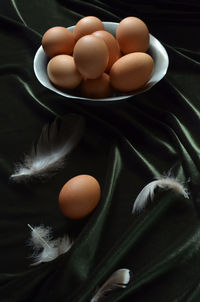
x,y
47,156
118,279
147,193
45,248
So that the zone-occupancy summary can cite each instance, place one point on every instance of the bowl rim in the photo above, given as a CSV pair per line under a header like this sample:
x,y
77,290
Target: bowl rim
x,y
41,75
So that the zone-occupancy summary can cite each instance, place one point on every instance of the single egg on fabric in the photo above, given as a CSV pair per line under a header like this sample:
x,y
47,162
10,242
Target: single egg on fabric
x,y
132,35
63,73
91,56
131,71
79,196
112,44
58,40
97,88
86,26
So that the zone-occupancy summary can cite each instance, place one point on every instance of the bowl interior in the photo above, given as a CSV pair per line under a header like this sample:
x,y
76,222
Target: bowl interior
x,y
156,50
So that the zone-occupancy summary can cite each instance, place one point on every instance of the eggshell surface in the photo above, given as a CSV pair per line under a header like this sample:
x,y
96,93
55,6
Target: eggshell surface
x,y
132,35
79,196
112,44
91,56
58,40
86,26
131,71
97,88
63,73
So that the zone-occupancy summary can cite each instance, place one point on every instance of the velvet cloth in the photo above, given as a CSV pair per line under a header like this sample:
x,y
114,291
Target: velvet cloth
x,y
125,146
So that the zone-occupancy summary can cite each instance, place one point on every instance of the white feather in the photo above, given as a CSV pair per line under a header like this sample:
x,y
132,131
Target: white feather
x,y
147,192
120,278
40,236
56,141
41,239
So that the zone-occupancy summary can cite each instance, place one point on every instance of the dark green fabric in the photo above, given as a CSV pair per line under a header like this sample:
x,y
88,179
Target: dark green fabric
x,y
125,146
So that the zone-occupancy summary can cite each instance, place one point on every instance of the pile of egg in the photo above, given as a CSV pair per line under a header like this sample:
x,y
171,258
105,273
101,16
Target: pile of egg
x,y
94,61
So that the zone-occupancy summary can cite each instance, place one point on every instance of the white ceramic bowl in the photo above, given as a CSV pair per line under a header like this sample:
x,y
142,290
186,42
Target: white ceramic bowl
x,y
156,50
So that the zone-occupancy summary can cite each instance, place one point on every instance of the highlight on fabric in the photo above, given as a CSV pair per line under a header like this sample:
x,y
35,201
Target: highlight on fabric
x,y
48,154
45,248
119,279
147,193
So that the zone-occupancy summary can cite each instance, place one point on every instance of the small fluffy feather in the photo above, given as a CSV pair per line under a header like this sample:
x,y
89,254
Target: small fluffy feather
x,y
120,278
41,239
147,192
47,156
40,236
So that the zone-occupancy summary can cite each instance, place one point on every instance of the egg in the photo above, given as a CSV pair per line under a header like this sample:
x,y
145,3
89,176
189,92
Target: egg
x,y
131,71
97,88
112,44
79,196
86,26
58,40
63,73
132,35
91,56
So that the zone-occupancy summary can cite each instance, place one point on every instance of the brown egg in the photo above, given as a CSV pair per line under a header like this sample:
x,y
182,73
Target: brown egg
x,y
112,44
132,35
91,56
131,71
79,196
63,73
86,26
58,40
97,88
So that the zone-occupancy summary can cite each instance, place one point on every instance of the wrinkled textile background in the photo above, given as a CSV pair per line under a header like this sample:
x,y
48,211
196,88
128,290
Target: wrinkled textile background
x,y
125,146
